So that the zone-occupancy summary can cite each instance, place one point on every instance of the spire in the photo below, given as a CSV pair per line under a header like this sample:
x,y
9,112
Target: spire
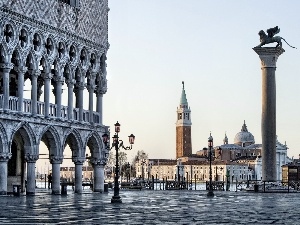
x,y
244,127
183,100
225,140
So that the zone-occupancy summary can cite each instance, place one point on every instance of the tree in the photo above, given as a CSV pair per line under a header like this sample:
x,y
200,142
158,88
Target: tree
x,y
140,155
111,162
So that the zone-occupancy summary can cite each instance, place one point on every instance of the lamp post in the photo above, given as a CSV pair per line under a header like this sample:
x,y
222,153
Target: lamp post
x,y
118,144
210,192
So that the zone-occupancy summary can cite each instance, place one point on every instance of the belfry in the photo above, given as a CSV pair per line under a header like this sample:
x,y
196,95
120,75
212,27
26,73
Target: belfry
x,y
183,127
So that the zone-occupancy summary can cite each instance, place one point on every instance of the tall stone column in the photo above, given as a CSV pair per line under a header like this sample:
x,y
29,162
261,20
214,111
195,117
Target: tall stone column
x,y
5,69
47,78
268,57
31,159
98,166
4,157
78,174
81,87
34,76
99,95
21,70
91,89
70,84
56,161
58,92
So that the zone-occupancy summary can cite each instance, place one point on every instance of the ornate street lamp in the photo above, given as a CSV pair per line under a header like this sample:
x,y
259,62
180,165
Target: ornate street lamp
x,y
210,192
117,144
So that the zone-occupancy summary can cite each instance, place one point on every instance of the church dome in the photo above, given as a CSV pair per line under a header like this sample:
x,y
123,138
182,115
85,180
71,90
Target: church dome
x,y
244,138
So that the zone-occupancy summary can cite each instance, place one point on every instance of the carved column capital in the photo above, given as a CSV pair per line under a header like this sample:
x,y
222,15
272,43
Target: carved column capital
x,y
31,158
78,160
56,159
98,162
35,73
70,82
81,85
21,69
6,67
91,87
47,76
59,79
268,55
5,156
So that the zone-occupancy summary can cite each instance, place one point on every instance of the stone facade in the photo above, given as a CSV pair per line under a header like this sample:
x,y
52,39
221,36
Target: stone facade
x,y
51,43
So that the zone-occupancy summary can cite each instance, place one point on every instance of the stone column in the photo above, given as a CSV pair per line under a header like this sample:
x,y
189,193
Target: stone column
x,y
47,78
34,76
91,89
78,174
31,159
98,166
58,92
4,157
99,95
21,70
70,84
268,57
5,69
81,87
56,161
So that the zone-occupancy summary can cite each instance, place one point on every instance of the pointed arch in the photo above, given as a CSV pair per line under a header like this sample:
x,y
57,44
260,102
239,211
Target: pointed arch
x,y
51,139
95,144
25,135
74,140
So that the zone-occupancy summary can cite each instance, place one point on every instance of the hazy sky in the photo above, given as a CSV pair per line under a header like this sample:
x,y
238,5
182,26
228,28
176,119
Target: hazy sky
x,y
156,44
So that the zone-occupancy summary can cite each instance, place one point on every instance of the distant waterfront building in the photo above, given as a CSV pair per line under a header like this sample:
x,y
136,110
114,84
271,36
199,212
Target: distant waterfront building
x,y
199,170
244,150
183,127
291,171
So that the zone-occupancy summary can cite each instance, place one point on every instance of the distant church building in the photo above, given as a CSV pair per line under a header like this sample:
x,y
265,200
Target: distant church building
x,y
183,127
245,151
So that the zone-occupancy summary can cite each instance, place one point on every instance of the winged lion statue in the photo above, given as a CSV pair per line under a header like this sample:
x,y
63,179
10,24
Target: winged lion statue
x,y
270,38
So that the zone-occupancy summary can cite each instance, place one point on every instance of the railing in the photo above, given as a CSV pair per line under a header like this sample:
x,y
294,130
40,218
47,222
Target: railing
x,y
27,109
13,103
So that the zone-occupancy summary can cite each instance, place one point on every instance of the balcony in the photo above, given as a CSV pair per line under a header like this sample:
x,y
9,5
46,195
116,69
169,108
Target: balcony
x,y
13,108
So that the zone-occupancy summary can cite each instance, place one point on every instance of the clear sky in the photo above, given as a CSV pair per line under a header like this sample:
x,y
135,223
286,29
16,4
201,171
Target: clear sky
x,y
157,44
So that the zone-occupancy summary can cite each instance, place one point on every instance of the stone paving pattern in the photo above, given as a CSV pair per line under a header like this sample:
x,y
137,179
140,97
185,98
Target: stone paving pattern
x,y
152,207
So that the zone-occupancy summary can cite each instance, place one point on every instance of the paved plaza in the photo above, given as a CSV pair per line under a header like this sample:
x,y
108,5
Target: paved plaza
x,y
152,207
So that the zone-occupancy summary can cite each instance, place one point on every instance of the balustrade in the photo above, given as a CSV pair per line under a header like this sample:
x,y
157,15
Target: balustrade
x,y
13,107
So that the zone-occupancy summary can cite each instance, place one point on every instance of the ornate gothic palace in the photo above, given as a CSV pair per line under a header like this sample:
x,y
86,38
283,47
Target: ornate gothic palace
x,y
51,45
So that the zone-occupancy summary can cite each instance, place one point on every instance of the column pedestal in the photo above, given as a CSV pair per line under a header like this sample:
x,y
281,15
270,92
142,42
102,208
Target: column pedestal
x,y
268,57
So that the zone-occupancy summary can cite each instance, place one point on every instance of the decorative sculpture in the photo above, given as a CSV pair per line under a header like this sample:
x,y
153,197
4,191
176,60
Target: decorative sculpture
x,y
270,38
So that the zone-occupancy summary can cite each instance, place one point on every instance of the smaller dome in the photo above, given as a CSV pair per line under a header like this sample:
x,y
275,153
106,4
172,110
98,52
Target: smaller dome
x,y
244,138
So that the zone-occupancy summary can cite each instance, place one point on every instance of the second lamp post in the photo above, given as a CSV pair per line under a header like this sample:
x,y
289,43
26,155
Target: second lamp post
x,y
210,192
117,144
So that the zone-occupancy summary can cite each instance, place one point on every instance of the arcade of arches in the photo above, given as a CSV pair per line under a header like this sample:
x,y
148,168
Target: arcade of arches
x,y
48,58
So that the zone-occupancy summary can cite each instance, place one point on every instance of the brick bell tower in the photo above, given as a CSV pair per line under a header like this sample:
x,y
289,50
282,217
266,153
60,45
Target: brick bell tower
x,y
183,127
